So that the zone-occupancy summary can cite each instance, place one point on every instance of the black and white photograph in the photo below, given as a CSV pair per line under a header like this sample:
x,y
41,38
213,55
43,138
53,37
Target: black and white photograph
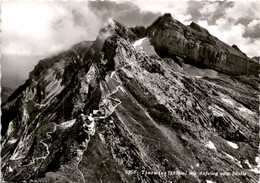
x,y
140,91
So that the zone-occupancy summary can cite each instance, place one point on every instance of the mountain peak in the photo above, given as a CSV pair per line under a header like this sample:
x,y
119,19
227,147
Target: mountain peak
x,y
167,16
113,24
198,28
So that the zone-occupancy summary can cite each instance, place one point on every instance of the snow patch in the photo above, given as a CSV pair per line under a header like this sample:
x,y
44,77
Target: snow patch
x,y
210,145
144,44
67,124
234,159
227,101
138,42
10,128
255,170
10,169
242,109
232,144
12,141
257,160
229,156
90,118
210,181
248,164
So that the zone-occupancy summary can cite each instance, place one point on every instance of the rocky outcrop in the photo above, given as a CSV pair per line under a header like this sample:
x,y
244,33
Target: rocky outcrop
x,y
256,58
197,47
107,112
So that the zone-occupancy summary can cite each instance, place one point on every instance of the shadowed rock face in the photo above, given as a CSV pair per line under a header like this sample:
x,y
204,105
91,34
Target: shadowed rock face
x,y
152,121
197,47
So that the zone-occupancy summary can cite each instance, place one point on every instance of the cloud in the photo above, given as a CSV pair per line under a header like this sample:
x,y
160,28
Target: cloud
x,y
243,9
253,29
208,9
178,9
33,30
43,28
124,12
233,35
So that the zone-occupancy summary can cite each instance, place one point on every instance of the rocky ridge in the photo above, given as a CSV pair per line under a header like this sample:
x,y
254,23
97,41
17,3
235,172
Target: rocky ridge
x,y
196,46
105,111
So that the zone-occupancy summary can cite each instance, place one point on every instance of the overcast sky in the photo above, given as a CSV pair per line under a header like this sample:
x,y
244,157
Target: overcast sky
x,y
35,30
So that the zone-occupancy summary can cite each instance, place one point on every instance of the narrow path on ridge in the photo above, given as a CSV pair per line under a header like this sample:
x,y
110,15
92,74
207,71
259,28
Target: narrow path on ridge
x,y
117,88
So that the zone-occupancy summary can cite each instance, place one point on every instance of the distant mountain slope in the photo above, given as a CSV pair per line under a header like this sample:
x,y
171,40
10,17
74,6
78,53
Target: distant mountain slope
x,y
113,110
5,93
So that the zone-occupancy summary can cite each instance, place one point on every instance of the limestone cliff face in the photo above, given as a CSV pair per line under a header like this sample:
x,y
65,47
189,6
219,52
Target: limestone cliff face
x,y
196,46
105,111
